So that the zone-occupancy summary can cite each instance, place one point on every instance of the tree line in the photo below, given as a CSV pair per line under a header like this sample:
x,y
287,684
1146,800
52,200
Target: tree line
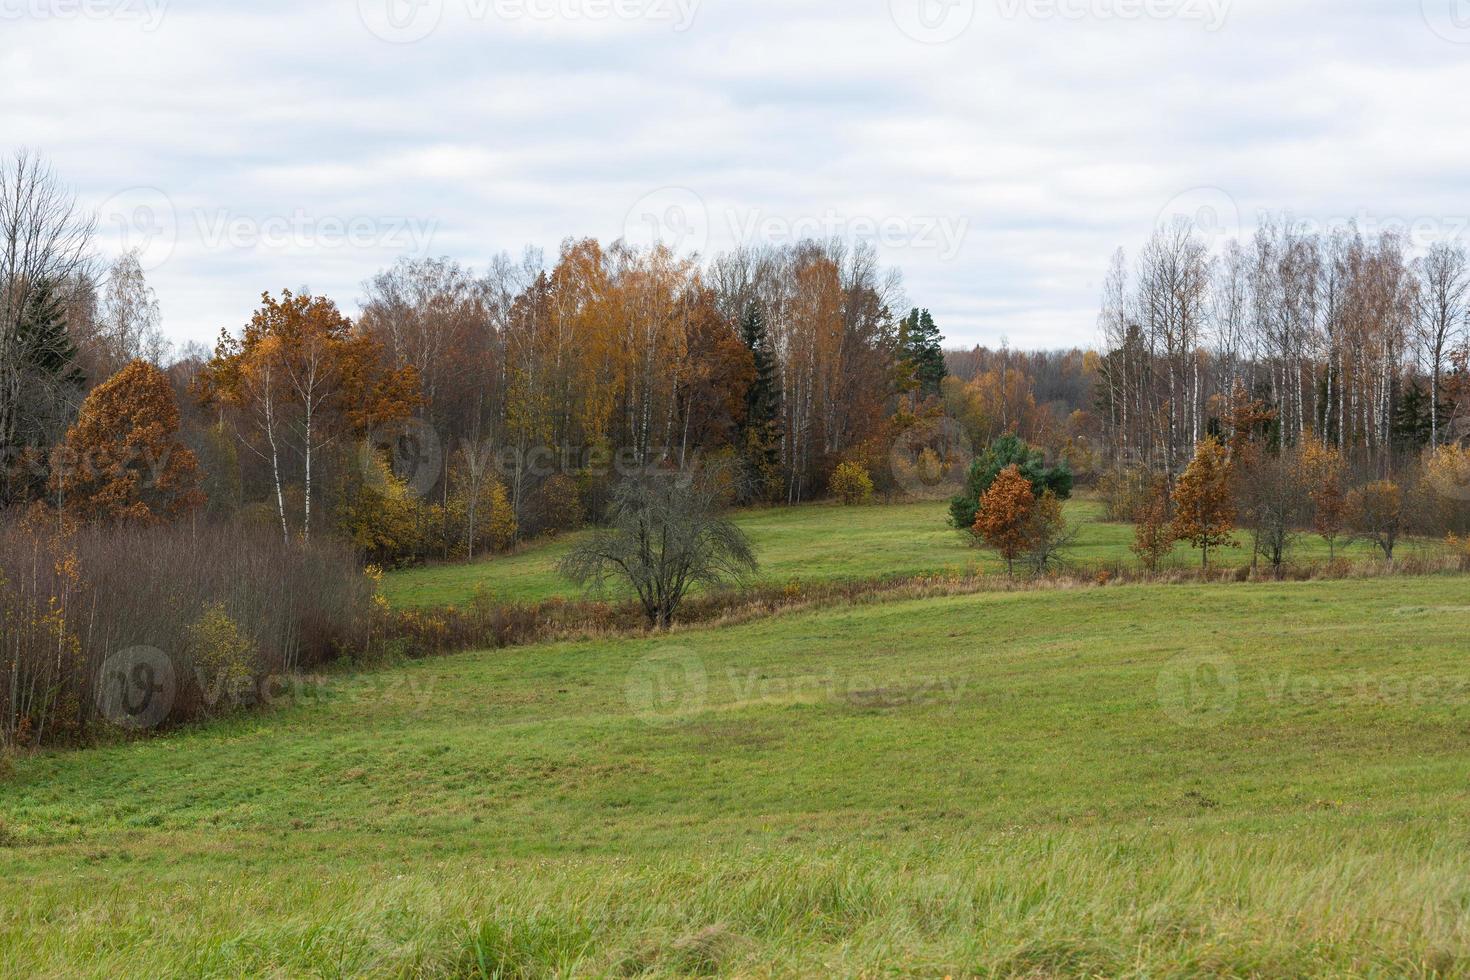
x,y
1341,335
462,410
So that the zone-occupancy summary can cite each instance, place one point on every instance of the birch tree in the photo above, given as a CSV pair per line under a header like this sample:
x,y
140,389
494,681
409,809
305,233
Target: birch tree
x,y
1441,311
304,377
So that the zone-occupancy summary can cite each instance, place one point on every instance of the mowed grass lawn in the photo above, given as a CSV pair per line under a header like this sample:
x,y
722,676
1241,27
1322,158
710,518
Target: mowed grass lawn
x,y
818,543
1154,781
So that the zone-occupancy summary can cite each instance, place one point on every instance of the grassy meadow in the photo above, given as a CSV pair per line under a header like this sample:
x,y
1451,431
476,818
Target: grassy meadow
x,y
824,543
1159,781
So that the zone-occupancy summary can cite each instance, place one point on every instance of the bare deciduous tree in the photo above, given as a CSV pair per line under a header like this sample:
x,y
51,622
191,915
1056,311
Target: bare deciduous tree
x,y
1335,331
667,533
1276,504
129,327
1441,313
44,251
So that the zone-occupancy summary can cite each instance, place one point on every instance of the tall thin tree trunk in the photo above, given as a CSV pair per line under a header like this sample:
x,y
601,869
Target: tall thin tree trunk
x,y
270,434
306,511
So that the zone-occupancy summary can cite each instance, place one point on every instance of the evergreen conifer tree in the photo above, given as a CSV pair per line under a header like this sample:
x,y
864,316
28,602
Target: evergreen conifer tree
x,y
921,349
762,435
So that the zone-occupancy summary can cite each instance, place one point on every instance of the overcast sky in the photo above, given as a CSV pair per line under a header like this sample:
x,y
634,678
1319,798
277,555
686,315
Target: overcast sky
x,y
997,151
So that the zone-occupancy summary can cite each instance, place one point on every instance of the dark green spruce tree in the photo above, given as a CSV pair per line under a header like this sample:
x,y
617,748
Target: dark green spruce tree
x,y
1411,420
46,347
49,388
761,438
921,351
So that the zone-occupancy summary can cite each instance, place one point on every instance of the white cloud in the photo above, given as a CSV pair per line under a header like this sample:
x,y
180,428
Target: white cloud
x,y
1049,140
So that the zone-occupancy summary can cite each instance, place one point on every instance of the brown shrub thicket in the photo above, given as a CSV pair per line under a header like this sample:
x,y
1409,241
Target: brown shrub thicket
x,y
1377,512
227,606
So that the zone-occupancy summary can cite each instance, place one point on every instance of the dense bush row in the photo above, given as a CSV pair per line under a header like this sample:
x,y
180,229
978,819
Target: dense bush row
x,y
222,608
1435,490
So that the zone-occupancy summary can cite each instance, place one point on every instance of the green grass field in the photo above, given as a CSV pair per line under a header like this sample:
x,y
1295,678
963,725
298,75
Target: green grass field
x,y
820,543
1152,781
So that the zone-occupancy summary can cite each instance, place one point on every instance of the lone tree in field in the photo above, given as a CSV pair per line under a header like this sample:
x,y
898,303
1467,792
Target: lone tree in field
x,y
1008,451
1153,536
1324,464
122,460
1204,510
851,484
1377,512
1278,503
1005,515
1048,535
666,534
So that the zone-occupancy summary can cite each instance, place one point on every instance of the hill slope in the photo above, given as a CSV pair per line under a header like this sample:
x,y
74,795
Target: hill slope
x,y
1160,780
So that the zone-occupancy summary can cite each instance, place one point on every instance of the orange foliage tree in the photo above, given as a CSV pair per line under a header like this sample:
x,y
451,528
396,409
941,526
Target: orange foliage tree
x,y
1246,419
1204,507
304,377
1004,517
1003,400
1047,534
1324,467
122,460
1153,537
1377,512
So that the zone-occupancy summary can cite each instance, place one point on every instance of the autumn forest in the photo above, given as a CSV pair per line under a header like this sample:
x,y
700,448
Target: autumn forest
x,y
1293,384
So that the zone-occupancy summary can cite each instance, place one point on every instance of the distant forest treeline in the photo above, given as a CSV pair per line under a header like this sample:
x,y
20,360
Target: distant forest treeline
x,y
466,409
